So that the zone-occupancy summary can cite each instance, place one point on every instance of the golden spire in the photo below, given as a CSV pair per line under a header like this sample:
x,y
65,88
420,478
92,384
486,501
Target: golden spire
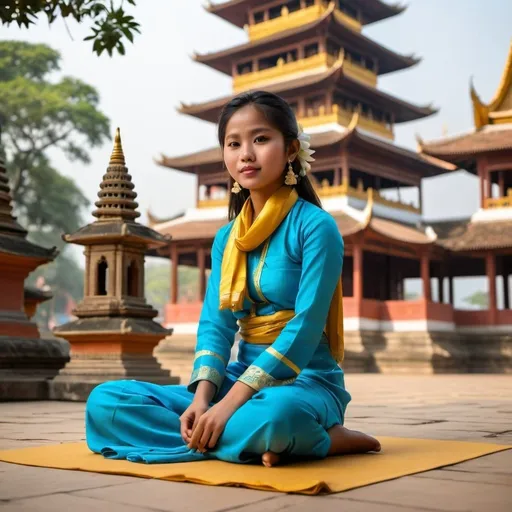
x,y
117,157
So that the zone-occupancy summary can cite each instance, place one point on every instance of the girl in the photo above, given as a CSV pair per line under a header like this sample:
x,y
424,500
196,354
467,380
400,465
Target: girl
x,y
275,276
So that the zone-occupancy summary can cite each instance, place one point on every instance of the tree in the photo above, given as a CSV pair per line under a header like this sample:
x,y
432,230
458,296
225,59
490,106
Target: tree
x,y
111,25
37,115
478,299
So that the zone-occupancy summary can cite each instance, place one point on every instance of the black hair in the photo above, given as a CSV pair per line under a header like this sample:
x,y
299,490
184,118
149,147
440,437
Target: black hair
x,y
280,115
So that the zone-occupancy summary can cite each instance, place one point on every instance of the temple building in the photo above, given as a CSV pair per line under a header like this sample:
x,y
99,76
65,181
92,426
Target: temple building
x,y
482,245
27,361
315,55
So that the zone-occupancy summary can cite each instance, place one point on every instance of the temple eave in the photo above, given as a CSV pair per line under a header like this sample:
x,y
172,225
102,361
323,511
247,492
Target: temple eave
x,y
233,11
390,60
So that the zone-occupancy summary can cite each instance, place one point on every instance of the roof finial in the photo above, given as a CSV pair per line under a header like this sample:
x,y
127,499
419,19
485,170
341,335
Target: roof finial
x,y
117,157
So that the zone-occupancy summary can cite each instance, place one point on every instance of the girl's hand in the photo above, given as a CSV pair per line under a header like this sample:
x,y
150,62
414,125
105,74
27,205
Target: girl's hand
x,y
210,426
190,418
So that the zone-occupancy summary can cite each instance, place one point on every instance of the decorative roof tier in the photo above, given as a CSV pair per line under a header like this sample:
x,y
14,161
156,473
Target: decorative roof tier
x,y
183,228
389,60
337,75
116,210
235,11
461,236
493,128
12,235
422,165
499,109
117,194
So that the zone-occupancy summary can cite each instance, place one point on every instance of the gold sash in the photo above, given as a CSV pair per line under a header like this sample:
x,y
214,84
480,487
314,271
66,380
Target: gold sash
x,y
246,236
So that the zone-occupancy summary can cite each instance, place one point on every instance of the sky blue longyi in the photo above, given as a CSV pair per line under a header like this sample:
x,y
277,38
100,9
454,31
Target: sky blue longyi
x,y
300,390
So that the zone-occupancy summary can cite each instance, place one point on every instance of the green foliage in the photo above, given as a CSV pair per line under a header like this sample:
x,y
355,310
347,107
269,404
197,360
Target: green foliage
x,y
111,25
478,299
158,281
38,115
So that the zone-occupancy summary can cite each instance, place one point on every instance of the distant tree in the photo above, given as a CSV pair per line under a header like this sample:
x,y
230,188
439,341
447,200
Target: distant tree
x,y
111,25
478,299
412,296
36,115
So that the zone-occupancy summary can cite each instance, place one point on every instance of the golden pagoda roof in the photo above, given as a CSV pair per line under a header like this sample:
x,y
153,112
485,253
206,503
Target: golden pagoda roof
x,y
426,165
235,11
402,110
389,60
499,109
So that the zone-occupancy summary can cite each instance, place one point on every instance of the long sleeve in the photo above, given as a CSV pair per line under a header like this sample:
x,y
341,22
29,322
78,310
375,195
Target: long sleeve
x,y
217,329
322,260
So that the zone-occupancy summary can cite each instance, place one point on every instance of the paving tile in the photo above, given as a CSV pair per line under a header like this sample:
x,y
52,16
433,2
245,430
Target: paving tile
x,y
466,476
66,502
442,495
26,481
499,463
321,504
179,497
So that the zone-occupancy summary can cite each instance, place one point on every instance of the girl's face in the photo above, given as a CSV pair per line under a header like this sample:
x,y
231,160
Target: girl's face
x,y
254,151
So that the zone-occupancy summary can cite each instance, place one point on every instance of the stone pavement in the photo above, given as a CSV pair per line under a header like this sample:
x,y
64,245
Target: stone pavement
x,y
460,407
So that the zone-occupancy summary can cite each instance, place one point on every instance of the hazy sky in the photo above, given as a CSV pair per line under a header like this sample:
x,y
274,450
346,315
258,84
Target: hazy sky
x,y
139,92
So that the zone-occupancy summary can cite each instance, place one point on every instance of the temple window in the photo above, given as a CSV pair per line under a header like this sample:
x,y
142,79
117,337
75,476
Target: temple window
x,y
280,58
244,68
102,277
132,278
310,50
294,106
309,3
259,17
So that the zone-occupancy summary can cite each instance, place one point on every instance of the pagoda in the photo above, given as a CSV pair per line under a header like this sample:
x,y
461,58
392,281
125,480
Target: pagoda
x,y
482,245
314,54
27,362
114,334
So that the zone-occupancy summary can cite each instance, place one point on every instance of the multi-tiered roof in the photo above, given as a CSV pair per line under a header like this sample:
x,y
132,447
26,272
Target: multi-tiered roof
x,y
313,53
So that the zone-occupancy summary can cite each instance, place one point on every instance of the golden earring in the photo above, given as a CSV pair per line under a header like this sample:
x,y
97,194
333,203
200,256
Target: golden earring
x,y
291,177
236,189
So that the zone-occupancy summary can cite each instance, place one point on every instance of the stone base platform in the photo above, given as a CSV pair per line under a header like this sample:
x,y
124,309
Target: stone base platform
x,y
84,372
384,352
27,365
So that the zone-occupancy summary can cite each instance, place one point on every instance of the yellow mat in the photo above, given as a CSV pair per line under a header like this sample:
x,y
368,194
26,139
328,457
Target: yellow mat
x,y
399,457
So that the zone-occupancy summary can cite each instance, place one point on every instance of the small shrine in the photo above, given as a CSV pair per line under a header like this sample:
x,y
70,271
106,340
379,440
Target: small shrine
x,y
114,334
27,362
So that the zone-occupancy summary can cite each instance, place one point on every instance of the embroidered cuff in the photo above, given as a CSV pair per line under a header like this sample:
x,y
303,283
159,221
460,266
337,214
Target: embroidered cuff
x,y
257,378
205,373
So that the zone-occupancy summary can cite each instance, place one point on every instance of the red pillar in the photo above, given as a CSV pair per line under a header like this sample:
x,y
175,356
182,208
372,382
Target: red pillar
x,y
358,272
174,274
425,276
201,258
490,261
481,177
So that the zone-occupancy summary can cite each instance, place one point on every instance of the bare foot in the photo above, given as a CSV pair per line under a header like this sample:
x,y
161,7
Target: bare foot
x,y
344,440
270,459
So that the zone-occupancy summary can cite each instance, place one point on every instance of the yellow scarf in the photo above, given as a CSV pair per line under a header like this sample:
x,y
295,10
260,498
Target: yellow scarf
x,y
246,236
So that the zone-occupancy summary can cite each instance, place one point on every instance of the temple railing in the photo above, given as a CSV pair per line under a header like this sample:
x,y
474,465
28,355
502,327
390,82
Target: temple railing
x,y
500,202
319,62
289,20
327,191
339,115
283,70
